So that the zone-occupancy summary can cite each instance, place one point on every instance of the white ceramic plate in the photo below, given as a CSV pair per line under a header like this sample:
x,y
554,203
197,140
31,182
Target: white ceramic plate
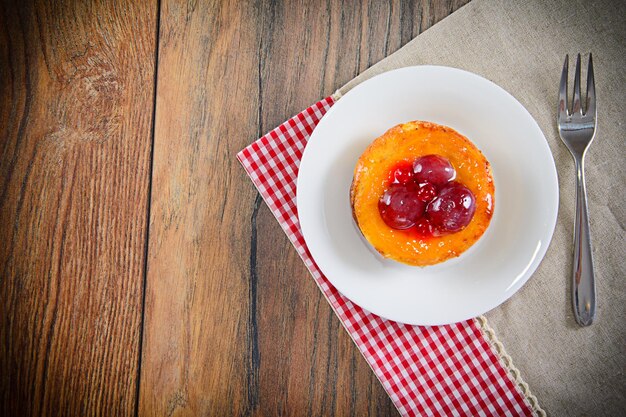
x,y
526,198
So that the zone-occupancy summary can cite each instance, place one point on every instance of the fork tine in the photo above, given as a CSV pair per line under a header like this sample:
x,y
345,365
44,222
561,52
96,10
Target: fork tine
x,y
563,105
591,90
576,108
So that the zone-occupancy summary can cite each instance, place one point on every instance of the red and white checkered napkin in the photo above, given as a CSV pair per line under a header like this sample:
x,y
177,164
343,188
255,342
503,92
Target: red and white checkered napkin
x,y
442,370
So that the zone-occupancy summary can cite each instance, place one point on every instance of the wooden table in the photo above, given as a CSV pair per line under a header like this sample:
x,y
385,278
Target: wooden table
x,y
140,271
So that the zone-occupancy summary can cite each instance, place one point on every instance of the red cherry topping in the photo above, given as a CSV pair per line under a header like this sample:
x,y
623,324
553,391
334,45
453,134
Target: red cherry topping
x,y
400,207
452,209
423,197
434,169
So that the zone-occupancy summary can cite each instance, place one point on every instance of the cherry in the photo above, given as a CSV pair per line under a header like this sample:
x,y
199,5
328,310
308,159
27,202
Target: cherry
x,y
434,169
452,209
426,192
400,206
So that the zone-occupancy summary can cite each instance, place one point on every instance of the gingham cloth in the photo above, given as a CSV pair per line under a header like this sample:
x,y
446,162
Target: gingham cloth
x,y
448,370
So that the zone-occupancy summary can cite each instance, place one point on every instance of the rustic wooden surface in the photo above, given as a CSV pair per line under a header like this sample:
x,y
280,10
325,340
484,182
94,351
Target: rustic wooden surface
x,y
231,322
75,97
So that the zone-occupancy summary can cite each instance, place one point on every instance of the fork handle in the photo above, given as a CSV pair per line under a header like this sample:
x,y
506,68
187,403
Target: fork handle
x,y
583,285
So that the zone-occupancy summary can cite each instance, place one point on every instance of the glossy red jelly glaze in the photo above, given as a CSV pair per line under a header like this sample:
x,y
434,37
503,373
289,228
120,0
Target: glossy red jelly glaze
x,y
424,228
402,173
426,192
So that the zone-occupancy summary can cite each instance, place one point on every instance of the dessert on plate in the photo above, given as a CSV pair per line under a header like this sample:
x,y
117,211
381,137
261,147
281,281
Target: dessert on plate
x,y
422,193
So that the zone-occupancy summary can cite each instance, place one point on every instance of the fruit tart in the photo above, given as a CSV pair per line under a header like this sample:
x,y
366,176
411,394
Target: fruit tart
x,y
422,193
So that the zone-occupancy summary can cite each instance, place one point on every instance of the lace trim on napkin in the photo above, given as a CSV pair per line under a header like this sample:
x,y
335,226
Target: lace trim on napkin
x,y
507,362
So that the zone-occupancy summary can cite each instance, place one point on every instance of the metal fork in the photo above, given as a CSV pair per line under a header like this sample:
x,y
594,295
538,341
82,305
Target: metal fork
x,y
577,129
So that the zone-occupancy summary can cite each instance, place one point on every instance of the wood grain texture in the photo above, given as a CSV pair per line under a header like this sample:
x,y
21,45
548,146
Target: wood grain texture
x,y
195,357
76,93
234,324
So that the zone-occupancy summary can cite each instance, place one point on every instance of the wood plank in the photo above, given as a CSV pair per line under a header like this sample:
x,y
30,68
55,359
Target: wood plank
x,y
195,354
76,93
234,323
